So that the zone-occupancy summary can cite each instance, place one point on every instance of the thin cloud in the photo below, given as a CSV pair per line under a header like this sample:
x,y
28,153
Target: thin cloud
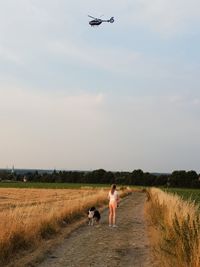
x,y
9,55
26,100
166,17
104,58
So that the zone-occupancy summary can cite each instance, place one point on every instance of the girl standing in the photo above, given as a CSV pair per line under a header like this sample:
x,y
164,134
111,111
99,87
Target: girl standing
x,y
113,204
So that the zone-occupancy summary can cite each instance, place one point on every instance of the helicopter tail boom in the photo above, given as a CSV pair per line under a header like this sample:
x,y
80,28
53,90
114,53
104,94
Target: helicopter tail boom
x,y
111,20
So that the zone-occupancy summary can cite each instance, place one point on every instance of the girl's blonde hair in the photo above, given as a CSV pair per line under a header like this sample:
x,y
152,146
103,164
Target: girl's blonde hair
x,y
113,187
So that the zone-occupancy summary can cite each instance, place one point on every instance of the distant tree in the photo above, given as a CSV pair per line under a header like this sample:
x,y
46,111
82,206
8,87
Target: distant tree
x,y
161,180
137,177
5,175
149,179
196,183
108,178
99,176
121,180
192,176
182,178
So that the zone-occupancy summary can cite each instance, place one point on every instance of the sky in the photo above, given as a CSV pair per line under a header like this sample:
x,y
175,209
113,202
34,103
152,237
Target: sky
x,y
120,96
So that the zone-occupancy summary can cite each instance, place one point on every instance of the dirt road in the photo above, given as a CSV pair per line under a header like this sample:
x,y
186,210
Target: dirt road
x,y
103,246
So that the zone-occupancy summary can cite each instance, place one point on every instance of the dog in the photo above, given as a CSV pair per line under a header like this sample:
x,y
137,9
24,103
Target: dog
x,y
93,216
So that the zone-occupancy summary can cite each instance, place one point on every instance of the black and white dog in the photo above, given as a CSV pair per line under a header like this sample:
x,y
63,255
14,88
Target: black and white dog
x,y
93,216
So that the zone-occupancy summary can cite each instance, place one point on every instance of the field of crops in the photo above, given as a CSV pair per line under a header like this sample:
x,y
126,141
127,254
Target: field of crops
x,y
31,214
187,194
27,215
49,185
177,242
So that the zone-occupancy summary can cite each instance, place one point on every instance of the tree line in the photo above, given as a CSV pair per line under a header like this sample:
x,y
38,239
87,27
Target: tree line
x,y
181,178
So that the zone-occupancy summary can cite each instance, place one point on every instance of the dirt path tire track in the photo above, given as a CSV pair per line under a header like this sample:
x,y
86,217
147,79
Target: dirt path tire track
x,y
103,246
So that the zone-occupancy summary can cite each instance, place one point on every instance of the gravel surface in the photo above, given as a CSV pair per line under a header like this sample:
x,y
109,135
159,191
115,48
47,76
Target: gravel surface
x,y
104,246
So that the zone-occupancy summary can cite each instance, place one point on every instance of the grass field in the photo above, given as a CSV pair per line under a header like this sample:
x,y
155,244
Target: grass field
x,y
50,185
31,214
186,194
176,226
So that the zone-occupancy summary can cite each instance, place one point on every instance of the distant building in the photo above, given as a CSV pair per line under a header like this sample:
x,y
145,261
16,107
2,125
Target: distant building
x,y
13,170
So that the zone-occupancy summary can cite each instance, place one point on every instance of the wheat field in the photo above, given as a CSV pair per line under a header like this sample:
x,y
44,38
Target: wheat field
x,y
29,215
177,226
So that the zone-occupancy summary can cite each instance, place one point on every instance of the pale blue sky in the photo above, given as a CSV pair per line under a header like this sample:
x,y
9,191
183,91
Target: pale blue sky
x,y
120,96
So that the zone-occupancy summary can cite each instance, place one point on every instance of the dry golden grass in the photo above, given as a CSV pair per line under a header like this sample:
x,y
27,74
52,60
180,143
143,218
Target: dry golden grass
x,y
29,215
177,224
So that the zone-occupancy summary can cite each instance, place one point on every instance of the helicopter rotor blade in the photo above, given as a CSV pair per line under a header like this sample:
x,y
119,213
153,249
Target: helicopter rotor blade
x,y
91,17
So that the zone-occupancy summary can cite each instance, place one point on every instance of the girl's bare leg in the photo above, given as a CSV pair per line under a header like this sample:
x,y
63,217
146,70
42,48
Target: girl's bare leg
x,y
110,214
114,216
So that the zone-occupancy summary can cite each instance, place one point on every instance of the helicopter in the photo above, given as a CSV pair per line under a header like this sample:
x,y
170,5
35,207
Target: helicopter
x,y
98,21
